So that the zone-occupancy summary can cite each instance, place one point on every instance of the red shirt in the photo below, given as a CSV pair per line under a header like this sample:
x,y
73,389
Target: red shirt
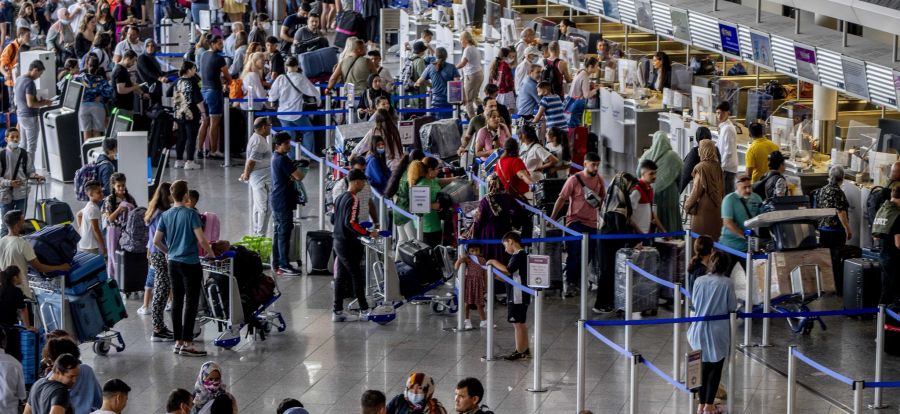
x,y
508,169
646,192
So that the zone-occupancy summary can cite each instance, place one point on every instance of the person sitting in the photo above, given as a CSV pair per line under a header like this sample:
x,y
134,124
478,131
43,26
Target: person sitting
x,y
115,397
208,387
417,398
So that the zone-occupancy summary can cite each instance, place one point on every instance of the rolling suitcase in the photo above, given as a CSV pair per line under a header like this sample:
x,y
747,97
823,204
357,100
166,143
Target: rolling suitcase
x,y
52,211
216,292
862,283
671,263
645,292
31,345
441,138
547,191
55,245
87,317
109,299
461,191
319,245
319,64
348,24
417,254
578,142
88,269
131,271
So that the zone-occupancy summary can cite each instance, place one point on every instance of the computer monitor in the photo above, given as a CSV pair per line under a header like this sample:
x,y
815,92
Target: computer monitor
x,y
73,96
682,78
119,123
890,134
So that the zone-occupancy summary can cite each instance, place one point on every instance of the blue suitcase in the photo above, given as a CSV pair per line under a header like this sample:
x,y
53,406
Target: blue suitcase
x,y
30,346
88,269
319,63
55,245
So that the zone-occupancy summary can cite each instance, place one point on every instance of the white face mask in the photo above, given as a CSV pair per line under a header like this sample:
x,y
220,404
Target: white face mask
x,y
536,61
12,145
267,25
128,3
415,399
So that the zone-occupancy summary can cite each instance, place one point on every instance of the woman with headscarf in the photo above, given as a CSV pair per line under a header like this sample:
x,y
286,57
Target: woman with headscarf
x,y
150,72
370,97
617,219
418,398
693,158
498,214
208,388
665,189
705,200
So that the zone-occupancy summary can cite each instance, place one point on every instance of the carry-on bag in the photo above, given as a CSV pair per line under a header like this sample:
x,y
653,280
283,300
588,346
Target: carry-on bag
x,y
318,64
31,345
348,24
131,271
671,263
52,211
862,283
421,258
87,270
109,299
216,291
546,192
87,317
55,245
319,245
645,292
460,191
441,138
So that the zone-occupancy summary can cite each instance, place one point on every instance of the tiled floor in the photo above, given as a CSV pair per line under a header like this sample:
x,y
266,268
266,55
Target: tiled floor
x,y
328,365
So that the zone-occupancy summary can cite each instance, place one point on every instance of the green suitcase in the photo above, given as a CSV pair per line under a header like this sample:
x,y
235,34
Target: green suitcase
x,y
109,299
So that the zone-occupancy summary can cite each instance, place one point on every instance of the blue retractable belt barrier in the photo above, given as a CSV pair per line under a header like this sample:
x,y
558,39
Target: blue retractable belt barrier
x,y
404,97
823,369
422,111
578,167
892,314
336,167
322,112
524,241
399,210
659,321
679,386
659,281
882,384
169,54
636,236
305,128
845,312
505,278
607,341
309,154
549,220
732,251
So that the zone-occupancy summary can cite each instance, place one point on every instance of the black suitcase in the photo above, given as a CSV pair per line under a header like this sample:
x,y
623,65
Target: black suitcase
x,y
411,284
862,283
162,135
547,191
52,211
319,245
421,257
892,336
349,24
131,271
216,292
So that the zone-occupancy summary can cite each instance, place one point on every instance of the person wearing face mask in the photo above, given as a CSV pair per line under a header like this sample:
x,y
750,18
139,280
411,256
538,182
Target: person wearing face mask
x,y
737,207
528,100
15,172
105,21
50,394
530,56
208,388
418,398
376,167
501,75
115,397
583,191
262,26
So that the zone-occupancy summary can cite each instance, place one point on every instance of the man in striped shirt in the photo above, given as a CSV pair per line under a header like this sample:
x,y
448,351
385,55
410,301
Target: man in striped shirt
x,y
550,107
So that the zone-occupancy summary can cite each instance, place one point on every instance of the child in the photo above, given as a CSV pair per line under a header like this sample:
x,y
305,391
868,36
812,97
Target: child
x,y
15,170
475,284
88,220
12,307
516,300
644,215
208,221
558,145
551,107
115,211
107,164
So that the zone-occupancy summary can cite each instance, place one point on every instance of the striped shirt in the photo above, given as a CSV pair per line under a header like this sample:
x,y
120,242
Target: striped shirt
x,y
553,111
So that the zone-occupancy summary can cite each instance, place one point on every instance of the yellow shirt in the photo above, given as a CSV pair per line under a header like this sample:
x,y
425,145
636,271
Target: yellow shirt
x,y
758,156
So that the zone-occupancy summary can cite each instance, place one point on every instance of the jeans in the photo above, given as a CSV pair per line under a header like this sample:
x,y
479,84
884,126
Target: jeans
x,y
573,250
12,205
30,128
187,138
309,137
260,185
349,256
281,243
159,13
186,279
195,11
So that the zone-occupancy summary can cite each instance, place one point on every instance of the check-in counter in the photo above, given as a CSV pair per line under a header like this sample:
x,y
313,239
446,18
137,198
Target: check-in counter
x,y
625,127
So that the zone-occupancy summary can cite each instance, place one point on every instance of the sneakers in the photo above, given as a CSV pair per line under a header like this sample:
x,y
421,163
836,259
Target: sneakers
x,y
143,310
483,325
600,311
287,271
191,165
162,336
177,349
191,351
178,164
467,324
572,291
516,355
340,316
216,155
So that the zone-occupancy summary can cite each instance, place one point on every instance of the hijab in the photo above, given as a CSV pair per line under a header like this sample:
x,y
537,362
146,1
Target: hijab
x,y
430,405
667,161
708,173
617,196
202,395
495,187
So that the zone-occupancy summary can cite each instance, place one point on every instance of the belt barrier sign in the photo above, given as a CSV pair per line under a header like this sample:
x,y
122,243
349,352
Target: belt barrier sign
x,y
538,271
694,376
420,199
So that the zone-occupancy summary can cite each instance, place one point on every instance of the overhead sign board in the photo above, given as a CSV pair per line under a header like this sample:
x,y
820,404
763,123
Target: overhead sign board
x,y
807,65
731,43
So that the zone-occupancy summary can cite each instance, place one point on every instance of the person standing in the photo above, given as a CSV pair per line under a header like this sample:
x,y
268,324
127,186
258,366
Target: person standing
x,y
348,250
353,69
178,236
373,402
712,294
516,300
473,71
16,171
528,101
693,158
727,144
16,251
189,110
9,59
642,199
617,214
284,200
758,152
834,231
665,186
292,92
887,229
256,174
162,282
124,88
584,191
50,394
27,108
213,69
705,201
773,183
12,380
738,206
439,73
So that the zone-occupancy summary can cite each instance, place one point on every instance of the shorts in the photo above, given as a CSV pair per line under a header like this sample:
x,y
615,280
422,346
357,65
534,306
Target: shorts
x,y
214,101
92,116
328,1
516,313
151,275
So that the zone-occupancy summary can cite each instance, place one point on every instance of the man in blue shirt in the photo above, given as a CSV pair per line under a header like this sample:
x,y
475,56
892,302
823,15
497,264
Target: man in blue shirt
x,y
528,100
738,207
177,236
284,200
439,74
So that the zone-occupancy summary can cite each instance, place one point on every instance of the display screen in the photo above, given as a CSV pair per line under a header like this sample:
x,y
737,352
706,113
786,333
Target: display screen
x,y
120,124
681,30
580,4
644,14
762,49
896,88
731,44
611,9
807,67
73,95
855,81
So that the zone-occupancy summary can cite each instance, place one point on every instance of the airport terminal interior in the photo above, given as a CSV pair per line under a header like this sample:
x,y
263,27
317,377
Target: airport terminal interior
x,y
798,97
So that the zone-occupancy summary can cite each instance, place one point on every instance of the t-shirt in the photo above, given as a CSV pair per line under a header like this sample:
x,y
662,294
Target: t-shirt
x,y
535,155
508,169
16,251
284,194
642,203
579,209
25,86
439,79
889,250
518,271
259,149
90,212
553,110
431,221
292,23
124,45
733,209
211,65
473,57
177,225
758,157
12,387
46,393
11,300
122,101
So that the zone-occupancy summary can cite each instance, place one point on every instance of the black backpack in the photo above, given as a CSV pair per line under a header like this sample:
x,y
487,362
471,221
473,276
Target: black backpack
x,y
759,187
551,74
876,199
21,161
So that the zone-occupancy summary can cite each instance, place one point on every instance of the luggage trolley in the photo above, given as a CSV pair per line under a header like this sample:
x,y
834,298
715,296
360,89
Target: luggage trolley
x,y
231,321
50,295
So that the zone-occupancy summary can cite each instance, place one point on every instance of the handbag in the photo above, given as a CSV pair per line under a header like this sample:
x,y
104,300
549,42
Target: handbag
x,y
574,105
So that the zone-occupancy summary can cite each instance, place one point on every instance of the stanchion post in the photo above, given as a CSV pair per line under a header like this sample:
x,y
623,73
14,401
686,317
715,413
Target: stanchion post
x,y
879,356
428,98
250,209
329,120
629,285
732,319
580,367
489,304
461,282
585,256
858,388
226,119
420,229
322,168
633,381
250,112
767,298
792,380
542,232
676,334
748,297
688,253
538,324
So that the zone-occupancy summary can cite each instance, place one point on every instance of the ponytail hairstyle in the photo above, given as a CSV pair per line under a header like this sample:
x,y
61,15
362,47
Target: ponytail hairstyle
x,y
495,66
563,140
415,172
703,246
719,263
162,199
119,178
186,66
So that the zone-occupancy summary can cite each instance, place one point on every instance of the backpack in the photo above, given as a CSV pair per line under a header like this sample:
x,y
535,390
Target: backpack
x,y
551,74
408,75
759,187
135,234
87,173
876,199
21,161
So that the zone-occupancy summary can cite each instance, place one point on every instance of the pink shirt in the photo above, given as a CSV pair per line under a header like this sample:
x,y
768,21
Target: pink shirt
x,y
484,138
579,210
